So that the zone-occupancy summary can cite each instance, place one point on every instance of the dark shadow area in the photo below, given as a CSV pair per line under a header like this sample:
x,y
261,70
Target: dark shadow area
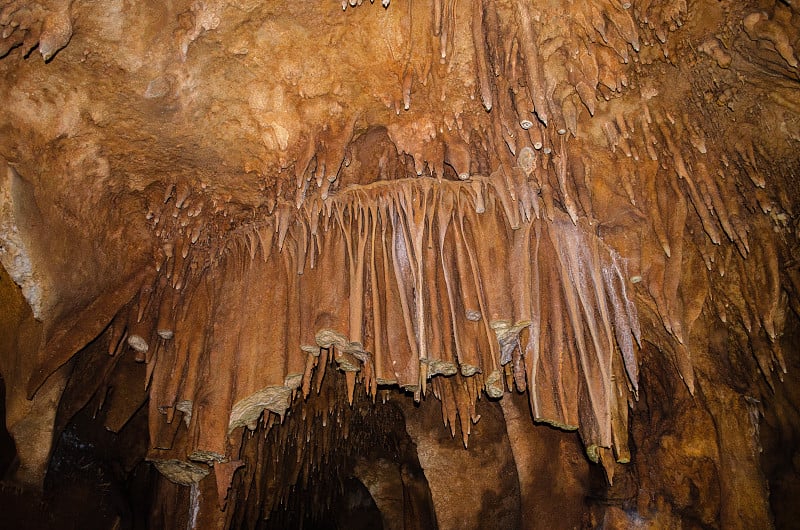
x,y
780,435
358,510
328,494
87,486
96,478
8,450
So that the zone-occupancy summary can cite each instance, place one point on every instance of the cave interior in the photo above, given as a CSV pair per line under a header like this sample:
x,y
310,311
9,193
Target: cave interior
x,y
400,265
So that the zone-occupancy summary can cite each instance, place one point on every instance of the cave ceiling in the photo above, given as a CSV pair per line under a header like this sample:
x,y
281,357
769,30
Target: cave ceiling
x,y
205,204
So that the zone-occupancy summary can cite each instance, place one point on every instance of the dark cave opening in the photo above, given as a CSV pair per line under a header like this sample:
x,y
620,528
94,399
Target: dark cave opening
x,y
8,450
363,473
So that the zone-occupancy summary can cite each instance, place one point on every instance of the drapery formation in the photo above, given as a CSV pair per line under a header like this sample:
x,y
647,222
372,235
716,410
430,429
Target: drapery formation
x,y
396,284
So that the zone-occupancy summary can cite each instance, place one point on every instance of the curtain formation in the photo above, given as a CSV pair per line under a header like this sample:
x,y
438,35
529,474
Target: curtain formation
x,y
396,284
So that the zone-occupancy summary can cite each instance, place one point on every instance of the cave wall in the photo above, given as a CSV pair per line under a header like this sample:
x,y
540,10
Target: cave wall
x,y
555,241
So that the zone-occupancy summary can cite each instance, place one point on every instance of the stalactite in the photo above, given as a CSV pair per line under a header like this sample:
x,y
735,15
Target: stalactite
x,y
759,27
693,299
626,325
673,267
717,204
440,357
560,162
595,364
474,309
402,269
139,334
446,34
213,402
118,332
533,67
77,330
408,264
552,369
164,324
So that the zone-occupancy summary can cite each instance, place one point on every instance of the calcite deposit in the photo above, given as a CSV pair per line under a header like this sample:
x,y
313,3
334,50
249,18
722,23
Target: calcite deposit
x,y
400,264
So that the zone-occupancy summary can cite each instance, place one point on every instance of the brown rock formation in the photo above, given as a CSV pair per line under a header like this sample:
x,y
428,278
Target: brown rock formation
x,y
255,254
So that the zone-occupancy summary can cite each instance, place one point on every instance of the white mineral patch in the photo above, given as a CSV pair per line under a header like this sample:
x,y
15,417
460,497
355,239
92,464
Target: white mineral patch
x,y
14,254
249,409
